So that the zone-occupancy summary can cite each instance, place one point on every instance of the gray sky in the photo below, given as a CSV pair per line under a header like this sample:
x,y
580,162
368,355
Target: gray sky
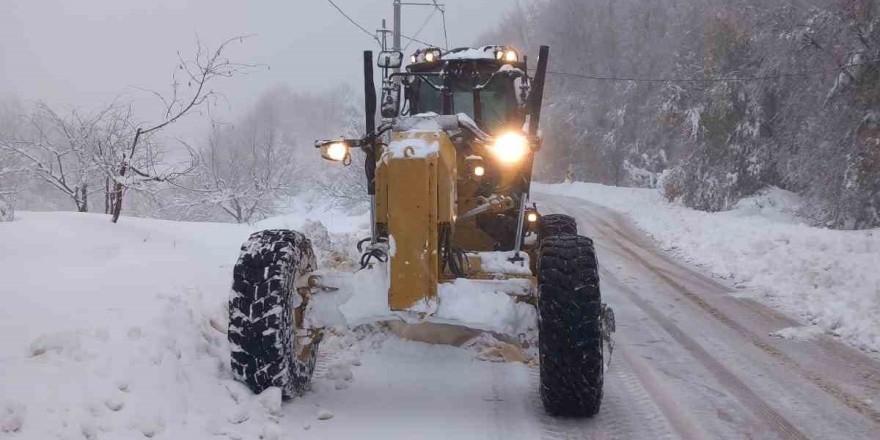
x,y
86,52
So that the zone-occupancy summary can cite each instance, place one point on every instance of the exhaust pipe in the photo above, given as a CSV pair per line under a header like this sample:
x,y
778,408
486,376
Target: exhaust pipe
x,y
536,101
537,95
370,151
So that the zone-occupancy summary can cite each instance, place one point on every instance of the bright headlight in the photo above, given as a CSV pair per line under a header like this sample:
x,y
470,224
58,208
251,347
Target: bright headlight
x,y
337,151
510,148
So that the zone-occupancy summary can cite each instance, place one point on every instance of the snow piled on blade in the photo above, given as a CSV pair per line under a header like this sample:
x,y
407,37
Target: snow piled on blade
x,y
500,263
477,305
828,277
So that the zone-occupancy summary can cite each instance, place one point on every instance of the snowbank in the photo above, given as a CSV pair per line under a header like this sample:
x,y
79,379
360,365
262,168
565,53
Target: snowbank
x,y
119,331
828,277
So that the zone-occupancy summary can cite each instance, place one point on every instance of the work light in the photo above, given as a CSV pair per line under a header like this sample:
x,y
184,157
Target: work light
x,y
429,55
507,55
510,148
337,151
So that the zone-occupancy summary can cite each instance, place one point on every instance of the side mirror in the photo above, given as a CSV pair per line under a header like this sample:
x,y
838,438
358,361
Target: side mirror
x,y
335,151
390,59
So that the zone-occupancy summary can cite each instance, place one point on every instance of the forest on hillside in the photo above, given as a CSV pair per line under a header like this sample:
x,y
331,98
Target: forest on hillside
x,y
713,100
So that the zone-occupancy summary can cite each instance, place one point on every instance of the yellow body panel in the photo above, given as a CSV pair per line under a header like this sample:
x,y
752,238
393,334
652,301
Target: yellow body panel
x,y
415,194
412,228
418,192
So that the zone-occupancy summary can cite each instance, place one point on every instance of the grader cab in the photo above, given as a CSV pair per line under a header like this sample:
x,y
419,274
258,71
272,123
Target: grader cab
x,y
448,172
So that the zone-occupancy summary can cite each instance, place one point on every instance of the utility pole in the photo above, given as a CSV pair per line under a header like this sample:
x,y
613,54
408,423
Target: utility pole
x,y
397,33
396,39
384,33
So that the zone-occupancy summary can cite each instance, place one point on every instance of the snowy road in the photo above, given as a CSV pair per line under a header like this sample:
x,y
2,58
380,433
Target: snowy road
x,y
692,361
707,358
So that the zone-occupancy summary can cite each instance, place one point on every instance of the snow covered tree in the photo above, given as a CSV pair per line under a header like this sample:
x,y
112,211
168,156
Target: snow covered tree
x,y
246,169
249,168
11,169
718,98
191,90
59,150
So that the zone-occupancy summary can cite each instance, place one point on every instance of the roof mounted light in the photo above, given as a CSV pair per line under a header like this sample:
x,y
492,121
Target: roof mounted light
x,y
429,55
506,54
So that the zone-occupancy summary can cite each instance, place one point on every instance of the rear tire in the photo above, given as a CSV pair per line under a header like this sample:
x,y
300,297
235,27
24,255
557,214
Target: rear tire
x,y
569,324
262,321
553,225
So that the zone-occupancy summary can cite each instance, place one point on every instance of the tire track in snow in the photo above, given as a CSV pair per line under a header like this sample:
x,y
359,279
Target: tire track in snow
x,y
675,281
653,420
628,411
326,357
747,397
507,414
737,388
662,399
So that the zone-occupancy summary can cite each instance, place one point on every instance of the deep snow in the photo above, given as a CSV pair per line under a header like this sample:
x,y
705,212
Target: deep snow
x,y
828,278
118,331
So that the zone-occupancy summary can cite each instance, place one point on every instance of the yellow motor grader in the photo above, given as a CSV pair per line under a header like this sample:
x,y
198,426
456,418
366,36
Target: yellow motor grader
x,y
448,170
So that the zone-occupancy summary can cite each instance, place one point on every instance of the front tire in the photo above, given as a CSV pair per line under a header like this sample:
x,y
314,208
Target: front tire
x,y
262,320
554,225
569,324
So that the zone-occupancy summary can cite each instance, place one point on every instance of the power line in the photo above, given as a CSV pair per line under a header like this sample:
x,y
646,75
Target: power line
x,y
443,13
421,28
805,73
418,41
372,35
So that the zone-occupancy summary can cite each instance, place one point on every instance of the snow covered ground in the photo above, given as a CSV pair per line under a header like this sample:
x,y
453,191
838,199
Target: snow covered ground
x,y
829,278
118,331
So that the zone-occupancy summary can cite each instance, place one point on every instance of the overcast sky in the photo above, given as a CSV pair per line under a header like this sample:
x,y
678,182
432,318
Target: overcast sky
x,y
86,52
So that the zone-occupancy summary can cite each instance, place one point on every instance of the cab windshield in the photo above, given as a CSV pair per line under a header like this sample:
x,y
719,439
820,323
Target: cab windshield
x,y
498,101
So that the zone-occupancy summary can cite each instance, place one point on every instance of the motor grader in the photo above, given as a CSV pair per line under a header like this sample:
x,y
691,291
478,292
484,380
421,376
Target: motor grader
x,y
448,170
